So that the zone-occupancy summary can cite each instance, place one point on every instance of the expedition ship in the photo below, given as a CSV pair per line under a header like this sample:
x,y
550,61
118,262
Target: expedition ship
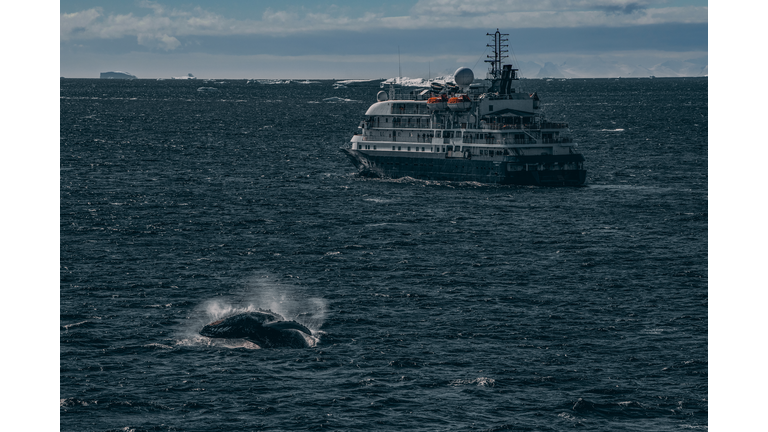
x,y
488,132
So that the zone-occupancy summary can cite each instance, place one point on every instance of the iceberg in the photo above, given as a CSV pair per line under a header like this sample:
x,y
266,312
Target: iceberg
x,y
189,76
116,75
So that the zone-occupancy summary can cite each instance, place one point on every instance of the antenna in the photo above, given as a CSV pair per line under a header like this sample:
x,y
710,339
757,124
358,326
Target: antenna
x,y
499,50
399,70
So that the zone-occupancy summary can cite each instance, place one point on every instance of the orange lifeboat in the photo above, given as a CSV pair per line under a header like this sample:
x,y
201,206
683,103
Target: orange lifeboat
x,y
459,103
437,103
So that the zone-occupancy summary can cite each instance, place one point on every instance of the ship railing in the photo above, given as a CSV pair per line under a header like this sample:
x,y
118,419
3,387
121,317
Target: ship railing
x,y
413,95
418,138
409,125
500,126
520,141
494,140
409,110
553,125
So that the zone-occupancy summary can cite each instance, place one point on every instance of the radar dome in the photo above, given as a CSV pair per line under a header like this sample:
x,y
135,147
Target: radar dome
x,y
463,76
381,96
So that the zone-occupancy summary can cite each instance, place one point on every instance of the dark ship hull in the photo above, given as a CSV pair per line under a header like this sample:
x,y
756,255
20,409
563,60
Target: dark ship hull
x,y
544,170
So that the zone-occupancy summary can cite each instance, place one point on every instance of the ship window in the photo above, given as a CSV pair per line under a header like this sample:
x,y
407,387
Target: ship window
x,y
490,107
393,147
386,120
409,148
399,148
422,149
374,147
438,134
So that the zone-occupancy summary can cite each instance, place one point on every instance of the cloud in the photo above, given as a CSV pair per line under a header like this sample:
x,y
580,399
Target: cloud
x,y
171,24
486,7
158,29
78,22
162,41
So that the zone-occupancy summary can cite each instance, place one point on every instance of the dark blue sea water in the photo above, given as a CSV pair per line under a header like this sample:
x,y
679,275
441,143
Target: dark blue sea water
x,y
437,305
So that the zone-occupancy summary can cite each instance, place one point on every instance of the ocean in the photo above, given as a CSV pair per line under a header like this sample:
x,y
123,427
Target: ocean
x,y
436,305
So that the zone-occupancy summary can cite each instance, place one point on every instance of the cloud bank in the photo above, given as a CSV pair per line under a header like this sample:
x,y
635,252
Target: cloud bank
x,y
435,35
161,27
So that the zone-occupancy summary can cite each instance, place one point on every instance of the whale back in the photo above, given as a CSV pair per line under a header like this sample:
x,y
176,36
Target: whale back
x,y
264,328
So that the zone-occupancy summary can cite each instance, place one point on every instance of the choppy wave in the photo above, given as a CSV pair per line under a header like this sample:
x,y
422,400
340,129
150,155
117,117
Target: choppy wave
x,y
429,299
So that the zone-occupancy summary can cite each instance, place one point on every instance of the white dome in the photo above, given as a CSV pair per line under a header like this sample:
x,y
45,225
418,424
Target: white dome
x,y
463,76
382,96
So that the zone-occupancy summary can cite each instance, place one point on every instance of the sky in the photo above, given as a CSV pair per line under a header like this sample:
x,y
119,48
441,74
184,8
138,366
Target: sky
x,y
345,39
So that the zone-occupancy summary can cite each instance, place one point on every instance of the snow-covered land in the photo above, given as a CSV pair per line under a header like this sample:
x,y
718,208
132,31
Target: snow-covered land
x,y
417,82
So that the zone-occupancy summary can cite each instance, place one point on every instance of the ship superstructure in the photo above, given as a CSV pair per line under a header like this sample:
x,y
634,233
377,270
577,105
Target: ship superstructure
x,y
489,132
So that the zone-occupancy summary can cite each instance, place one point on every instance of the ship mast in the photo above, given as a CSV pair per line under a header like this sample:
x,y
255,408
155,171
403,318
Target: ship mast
x,y
499,51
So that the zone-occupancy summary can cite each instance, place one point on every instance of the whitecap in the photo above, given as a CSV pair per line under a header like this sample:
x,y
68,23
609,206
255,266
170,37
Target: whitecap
x,y
157,345
338,99
480,382
68,326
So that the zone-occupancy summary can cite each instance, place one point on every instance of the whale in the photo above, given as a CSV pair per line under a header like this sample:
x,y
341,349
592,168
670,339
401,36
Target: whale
x,y
265,328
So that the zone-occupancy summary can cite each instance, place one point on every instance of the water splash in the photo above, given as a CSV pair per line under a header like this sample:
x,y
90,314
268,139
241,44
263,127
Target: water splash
x,y
261,293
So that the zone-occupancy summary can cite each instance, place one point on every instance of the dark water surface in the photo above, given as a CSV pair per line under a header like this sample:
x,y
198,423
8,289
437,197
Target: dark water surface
x,y
438,305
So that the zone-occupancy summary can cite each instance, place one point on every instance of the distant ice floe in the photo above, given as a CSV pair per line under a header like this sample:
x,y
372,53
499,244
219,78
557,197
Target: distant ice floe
x,y
207,89
352,81
189,76
273,81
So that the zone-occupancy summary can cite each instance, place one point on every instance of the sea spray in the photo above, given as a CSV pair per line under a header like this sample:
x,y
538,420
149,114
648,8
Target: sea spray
x,y
260,293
